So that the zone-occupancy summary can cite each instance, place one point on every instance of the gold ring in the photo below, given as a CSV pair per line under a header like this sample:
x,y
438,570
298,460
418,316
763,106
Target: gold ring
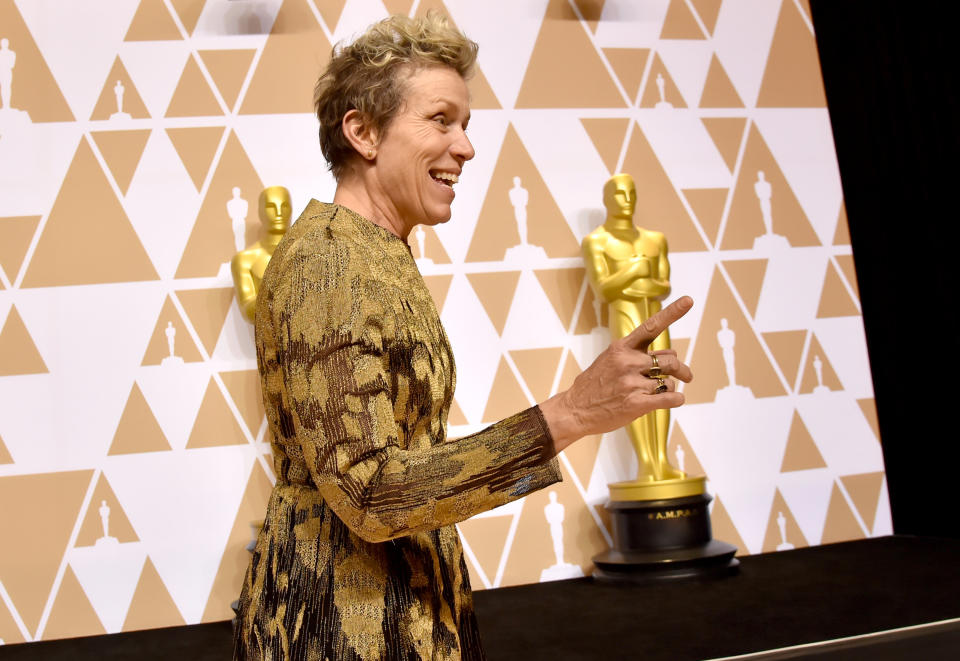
x,y
661,386
655,371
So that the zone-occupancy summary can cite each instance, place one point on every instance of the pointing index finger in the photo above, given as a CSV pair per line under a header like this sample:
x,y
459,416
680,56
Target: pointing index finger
x,y
648,331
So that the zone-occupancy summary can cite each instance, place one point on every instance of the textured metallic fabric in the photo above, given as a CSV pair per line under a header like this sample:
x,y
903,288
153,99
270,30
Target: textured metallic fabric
x,y
358,557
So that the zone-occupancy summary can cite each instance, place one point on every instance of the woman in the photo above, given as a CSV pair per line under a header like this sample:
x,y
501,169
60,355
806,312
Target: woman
x,y
359,557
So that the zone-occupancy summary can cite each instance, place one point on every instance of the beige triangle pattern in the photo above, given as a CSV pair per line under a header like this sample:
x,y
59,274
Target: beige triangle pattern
x,y
29,567
869,408
582,456
680,23
562,287
787,349
118,525
193,96
196,146
864,490
122,151
691,463
841,236
207,310
158,347
801,452
835,300
607,136
152,606
723,527
244,388
571,370
486,536
401,7
774,540
41,98
727,134
707,205
629,65
587,319
228,68
189,12
236,557
565,70
330,11
506,395
792,77
591,10
18,353
76,253
439,286
72,613
651,93
215,425
840,525
107,102
152,22
212,243
747,276
708,10
138,430
497,230
658,203
845,262
456,416
537,368
16,232
718,90
432,247
5,457
9,631
495,291
809,381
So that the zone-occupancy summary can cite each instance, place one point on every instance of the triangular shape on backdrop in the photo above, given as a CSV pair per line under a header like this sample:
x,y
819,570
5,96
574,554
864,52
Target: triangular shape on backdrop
x,y
707,205
607,136
869,409
841,236
439,286
727,134
495,291
537,368
604,515
835,300
193,96
215,425
117,524
864,490
287,70
486,537
787,349
244,388
9,631
751,368
506,395
724,529
587,319
170,338
792,76
196,146
718,90
582,456
152,22
708,10
497,230
41,98
72,613
330,11
29,567
565,70
152,607
571,370
562,287
401,7
207,310
849,270
801,452
629,65
121,150
119,95
432,247
745,223
680,23
813,376
747,276
236,557
18,352
841,525
652,97
456,416
532,551
783,532
94,248
213,243
5,457
658,204
16,232
805,6
680,453
591,11
681,345
138,430
228,68
189,12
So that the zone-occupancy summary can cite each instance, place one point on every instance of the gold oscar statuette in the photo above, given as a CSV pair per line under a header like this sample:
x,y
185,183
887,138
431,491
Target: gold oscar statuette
x,y
247,266
662,507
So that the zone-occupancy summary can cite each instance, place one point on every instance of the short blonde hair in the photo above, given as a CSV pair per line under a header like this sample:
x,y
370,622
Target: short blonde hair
x,y
369,75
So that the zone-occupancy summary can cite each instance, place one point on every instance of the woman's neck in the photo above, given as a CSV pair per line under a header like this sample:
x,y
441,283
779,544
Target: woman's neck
x,y
356,193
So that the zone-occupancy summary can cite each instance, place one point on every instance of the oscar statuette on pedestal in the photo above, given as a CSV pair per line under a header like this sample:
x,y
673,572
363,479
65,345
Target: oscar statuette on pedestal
x,y
661,522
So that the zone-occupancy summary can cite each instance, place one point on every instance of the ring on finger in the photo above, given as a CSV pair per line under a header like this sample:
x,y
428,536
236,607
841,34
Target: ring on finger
x,y
655,371
661,386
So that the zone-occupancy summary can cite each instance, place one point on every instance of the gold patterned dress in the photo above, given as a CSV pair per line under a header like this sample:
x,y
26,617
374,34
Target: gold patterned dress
x,y
358,557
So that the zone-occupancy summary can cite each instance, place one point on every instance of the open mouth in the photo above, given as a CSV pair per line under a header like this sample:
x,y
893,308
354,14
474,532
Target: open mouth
x,y
445,178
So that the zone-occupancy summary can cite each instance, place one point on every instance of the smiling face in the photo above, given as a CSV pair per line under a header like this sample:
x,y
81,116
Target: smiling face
x,y
422,151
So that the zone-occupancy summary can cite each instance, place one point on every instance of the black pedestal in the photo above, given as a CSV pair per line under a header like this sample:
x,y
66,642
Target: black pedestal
x,y
657,540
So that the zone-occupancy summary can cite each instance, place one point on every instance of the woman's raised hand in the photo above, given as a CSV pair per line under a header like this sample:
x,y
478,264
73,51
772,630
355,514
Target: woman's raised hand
x,y
617,387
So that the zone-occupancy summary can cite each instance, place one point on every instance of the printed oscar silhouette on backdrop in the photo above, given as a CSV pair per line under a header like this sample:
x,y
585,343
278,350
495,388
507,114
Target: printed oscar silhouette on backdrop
x,y
519,197
171,358
661,524
554,513
767,242
9,115
727,340
247,266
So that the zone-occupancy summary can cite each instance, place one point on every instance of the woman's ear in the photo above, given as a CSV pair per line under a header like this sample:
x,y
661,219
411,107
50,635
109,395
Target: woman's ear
x,y
360,134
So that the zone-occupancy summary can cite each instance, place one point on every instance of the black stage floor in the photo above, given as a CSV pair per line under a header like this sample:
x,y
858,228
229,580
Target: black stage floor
x,y
777,602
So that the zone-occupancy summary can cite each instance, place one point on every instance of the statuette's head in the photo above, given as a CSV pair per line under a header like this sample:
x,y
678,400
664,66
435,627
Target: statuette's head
x,y
275,208
620,196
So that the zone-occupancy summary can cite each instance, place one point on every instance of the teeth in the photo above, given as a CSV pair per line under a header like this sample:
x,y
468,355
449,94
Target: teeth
x,y
446,176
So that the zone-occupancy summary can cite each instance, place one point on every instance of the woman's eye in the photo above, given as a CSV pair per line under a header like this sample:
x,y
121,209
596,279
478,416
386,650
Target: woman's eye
x,y
440,119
